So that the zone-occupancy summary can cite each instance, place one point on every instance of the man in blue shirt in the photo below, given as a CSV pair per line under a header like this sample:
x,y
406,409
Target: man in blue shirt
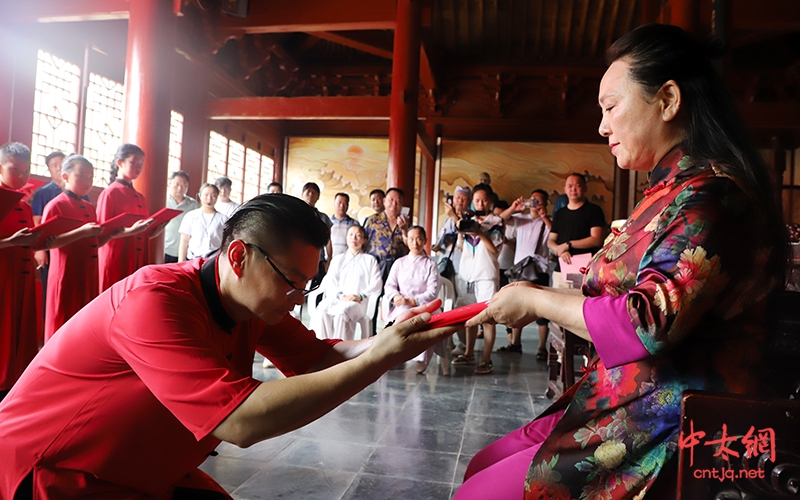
x,y
341,223
41,198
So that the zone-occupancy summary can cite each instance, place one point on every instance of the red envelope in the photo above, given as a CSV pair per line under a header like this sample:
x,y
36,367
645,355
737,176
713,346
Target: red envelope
x,y
164,215
121,220
56,226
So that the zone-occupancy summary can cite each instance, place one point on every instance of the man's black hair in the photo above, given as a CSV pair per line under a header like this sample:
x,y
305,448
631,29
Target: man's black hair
x,y
273,221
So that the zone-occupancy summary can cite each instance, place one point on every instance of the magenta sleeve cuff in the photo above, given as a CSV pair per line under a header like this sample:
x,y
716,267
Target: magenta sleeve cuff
x,y
611,330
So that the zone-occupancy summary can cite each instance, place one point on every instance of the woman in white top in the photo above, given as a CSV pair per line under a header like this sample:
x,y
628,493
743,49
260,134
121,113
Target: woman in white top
x,y
413,281
352,277
201,229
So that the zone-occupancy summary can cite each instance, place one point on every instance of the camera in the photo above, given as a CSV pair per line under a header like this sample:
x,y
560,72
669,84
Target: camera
x,y
468,226
530,202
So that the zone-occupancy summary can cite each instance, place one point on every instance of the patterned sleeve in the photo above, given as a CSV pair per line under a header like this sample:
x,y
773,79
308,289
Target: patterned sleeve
x,y
696,261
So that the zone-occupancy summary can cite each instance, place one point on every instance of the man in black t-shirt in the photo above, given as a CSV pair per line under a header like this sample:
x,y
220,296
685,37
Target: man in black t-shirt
x,y
577,228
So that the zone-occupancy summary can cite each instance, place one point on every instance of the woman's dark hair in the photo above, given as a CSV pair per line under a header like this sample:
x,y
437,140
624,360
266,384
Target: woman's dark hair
x,y
421,231
363,235
485,188
208,185
122,153
72,161
273,221
715,134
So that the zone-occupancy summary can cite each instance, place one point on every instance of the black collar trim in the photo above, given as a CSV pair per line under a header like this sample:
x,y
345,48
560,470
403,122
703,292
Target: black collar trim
x,y
72,195
124,183
208,282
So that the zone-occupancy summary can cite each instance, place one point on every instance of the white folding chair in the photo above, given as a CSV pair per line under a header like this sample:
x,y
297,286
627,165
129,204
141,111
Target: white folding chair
x,y
447,293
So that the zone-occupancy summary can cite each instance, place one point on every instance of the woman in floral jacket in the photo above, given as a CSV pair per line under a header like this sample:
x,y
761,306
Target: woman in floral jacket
x,y
674,301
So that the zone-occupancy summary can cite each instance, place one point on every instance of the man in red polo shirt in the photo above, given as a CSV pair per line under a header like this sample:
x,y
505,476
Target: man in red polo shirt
x,y
134,391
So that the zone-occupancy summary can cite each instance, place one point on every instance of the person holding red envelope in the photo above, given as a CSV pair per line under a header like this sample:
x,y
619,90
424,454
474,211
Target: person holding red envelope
x,y
18,344
74,276
124,255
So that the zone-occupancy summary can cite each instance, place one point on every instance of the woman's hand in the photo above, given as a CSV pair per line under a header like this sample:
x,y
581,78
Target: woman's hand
x,y
22,238
89,229
400,300
409,336
512,306
351,298
139,226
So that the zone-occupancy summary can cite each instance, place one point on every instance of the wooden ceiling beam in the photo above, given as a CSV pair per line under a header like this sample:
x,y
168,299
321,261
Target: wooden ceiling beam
x,y
298,108
44,11
427,77
539,70
363,41
310,16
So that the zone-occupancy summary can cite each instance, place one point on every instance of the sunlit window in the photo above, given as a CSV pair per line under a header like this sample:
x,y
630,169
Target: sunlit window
x,y
252,174
175,141
236,169
105,107
217,156
55,109
267,171
249,171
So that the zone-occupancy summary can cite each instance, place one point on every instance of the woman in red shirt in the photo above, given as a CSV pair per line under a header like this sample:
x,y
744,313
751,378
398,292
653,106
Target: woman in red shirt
x,y
73,279
124,255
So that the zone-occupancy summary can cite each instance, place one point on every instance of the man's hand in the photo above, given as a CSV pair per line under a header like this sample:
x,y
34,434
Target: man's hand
x,y
517,206
409,336
402,222
41,258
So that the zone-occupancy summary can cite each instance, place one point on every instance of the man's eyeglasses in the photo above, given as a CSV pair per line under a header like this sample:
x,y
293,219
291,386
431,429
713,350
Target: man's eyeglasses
x,y
294,291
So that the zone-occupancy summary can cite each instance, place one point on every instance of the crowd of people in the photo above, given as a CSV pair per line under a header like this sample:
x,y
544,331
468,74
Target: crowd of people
x,y
144,382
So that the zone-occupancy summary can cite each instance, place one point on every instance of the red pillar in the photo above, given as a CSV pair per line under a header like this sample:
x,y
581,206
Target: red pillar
x,y
148,98
405,97
430,189
195,125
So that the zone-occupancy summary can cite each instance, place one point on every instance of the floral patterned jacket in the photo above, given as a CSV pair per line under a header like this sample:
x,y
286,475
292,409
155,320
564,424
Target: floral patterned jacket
x,y
675,302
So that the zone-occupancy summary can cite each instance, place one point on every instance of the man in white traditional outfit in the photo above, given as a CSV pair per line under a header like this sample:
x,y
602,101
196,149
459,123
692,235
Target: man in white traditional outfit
x,y
352,277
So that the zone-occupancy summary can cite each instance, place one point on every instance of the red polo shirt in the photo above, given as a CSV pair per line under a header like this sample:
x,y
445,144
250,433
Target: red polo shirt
x,y
122,400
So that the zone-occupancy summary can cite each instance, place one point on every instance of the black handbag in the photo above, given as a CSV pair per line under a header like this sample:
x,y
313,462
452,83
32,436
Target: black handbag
x,y
528,269
446,267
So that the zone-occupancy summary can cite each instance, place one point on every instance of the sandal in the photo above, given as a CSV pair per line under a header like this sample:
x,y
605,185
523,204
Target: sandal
x,y
541,355
462,359
511,348
484,367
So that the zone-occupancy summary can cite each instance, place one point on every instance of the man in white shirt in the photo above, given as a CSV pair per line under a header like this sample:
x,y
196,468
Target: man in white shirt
x,y
530,231
224,204
176,198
